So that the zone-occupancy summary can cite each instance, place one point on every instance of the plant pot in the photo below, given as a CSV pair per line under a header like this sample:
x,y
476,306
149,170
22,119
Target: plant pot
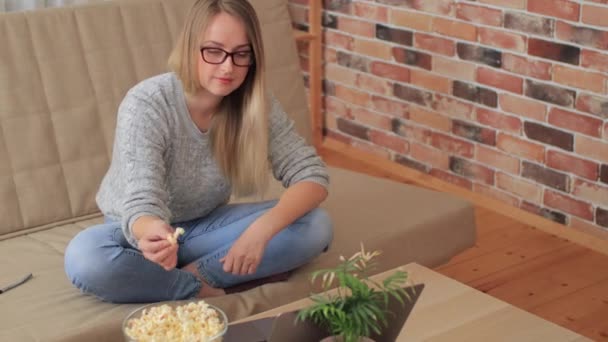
x,y
339,339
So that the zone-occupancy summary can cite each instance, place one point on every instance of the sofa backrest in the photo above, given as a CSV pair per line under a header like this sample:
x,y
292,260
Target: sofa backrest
x,y
63,73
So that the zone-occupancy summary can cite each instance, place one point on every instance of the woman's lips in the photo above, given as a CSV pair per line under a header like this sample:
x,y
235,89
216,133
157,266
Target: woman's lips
x,y
224,80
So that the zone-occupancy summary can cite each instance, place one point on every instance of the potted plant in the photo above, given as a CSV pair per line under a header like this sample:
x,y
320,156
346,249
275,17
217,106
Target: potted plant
x,y
359,306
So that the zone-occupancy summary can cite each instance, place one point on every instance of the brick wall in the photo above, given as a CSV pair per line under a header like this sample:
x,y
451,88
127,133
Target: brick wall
x,y
508,98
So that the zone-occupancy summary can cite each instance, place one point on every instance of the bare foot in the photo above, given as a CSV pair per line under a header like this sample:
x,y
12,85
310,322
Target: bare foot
x,y
206,289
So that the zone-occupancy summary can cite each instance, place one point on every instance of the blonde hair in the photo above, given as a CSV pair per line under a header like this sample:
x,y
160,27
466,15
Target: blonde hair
x,y
239,130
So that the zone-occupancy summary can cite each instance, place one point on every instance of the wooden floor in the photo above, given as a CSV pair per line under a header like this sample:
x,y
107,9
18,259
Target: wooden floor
x,y
548,276
543,274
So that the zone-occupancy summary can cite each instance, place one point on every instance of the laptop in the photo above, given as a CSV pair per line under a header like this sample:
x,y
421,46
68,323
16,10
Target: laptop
x,y
284,327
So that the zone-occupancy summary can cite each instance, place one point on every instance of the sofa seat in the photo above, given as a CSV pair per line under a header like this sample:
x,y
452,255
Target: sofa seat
x,y
408,228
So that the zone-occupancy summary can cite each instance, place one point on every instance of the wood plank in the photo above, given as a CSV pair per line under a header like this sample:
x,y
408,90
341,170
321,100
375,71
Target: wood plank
x,y
300,35
533,245
496,240
587,311
579,270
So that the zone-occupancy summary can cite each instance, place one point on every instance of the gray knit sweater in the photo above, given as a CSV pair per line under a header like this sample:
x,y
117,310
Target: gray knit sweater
x,y
162,164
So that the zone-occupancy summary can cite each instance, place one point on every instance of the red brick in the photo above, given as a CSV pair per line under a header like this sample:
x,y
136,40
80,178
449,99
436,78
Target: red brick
x,y
451,178
431,156
391,107
568,204
520,147
528,23
595,105
474,132
391,71
522,188
430,119
369,118
572,164
528,67
330,121
414,20
479,14
452,145
430,81
496,159
434,44
472,170
550,93
552,215
553,50
334,134
576,122
588,228
579,78
520,4
502,39
479,54
474,93
522,106
595,15
357,27
340,74
494,193
555,8
370,148
353,96
413,133
335,106
500,80
369,11
582,35
498,120
456,29
411,163
454,68
304,64
444,7
594,60
594,193
591,148
452,107
337,39
330,55
373,48
390,141
373,84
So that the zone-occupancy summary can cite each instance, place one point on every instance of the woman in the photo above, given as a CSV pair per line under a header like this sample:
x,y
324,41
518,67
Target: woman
x,y
185,141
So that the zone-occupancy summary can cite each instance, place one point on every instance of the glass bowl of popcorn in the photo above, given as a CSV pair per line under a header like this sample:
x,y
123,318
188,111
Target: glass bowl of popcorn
x,y
188,320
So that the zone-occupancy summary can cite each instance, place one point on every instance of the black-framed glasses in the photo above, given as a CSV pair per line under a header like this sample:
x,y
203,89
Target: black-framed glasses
x,y
213,55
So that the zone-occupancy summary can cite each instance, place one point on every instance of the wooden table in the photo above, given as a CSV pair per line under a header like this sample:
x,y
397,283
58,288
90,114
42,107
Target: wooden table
x,y
451,311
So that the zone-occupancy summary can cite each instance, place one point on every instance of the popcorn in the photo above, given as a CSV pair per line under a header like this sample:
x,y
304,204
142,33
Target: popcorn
x,y
195,322
173,237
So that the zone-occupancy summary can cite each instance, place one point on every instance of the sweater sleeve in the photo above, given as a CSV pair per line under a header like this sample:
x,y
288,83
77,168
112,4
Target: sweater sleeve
x,y
292,159
141,142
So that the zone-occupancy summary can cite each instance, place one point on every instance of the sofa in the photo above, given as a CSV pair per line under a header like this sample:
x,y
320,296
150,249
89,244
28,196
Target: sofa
x,y
63,72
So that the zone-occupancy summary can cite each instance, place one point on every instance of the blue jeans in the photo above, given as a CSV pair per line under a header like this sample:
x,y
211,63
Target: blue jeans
x,y
100,261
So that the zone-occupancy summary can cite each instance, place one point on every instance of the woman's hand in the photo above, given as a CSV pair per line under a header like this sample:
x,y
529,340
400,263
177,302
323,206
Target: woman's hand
x,y
246,253
152,234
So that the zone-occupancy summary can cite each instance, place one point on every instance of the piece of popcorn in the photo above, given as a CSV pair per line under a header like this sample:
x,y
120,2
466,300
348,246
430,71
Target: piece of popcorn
x,y
172,238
